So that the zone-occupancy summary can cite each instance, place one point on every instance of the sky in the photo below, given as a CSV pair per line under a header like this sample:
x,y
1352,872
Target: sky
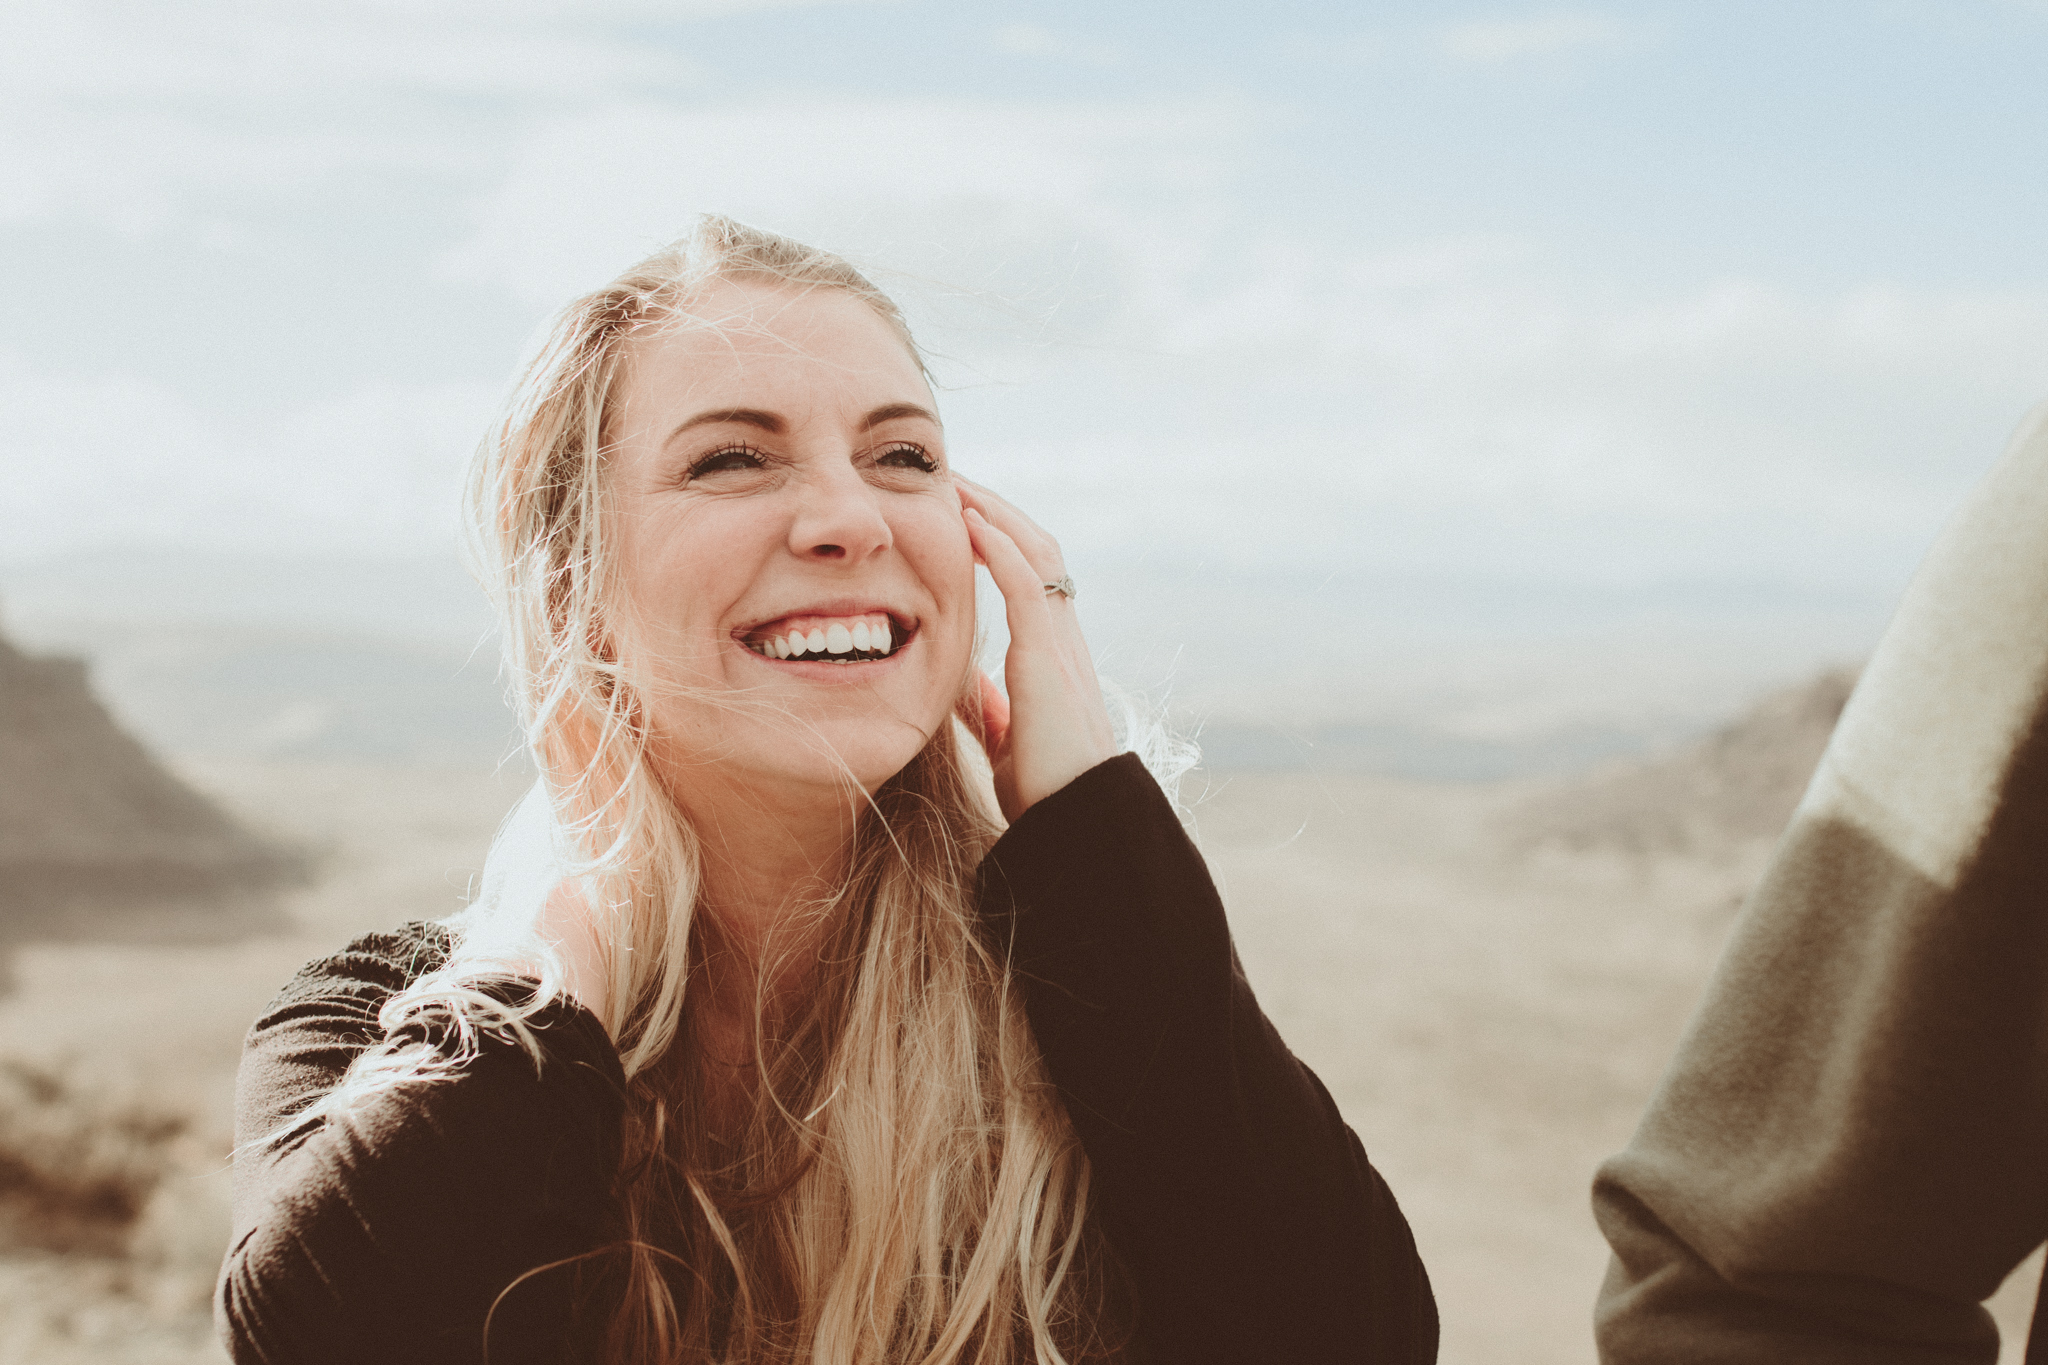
x,y
1356,334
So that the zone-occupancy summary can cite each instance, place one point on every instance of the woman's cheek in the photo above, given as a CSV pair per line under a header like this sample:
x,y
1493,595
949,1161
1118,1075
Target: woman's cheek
x,y
941,532
934,540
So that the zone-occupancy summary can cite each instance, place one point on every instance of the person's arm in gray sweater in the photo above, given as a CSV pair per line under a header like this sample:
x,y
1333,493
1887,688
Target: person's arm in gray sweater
x,y
1850,1149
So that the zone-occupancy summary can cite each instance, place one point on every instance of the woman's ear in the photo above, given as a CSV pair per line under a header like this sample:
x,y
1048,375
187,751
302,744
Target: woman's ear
x,y
571,746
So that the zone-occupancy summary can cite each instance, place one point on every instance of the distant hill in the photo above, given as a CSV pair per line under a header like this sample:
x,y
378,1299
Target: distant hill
x,y
1436,675
87,815
1412,750
282,695
1738,784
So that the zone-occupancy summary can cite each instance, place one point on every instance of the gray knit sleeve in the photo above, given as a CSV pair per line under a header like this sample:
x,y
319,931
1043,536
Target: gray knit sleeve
x,y
1850,1149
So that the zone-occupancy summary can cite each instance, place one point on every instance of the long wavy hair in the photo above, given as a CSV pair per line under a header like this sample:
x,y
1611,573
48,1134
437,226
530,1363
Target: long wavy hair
x,y
906,1187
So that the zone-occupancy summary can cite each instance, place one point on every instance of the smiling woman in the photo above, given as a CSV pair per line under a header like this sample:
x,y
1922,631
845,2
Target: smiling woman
x,y
778,476
824,1002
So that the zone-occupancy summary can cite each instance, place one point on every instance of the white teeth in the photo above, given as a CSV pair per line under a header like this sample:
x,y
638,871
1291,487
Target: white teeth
x,y
863,637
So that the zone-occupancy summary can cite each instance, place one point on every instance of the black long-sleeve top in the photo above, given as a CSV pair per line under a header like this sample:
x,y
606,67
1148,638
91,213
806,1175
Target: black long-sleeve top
x,y
1243,1210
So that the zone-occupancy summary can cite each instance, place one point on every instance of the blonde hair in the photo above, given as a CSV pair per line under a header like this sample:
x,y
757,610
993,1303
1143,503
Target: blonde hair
x,y
908,1187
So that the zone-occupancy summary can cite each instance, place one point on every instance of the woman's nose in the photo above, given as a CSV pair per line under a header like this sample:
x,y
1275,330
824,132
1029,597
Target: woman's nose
x,y
838,517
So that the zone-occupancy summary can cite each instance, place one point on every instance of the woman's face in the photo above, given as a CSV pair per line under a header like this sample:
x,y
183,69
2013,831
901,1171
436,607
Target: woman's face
x,y
798,584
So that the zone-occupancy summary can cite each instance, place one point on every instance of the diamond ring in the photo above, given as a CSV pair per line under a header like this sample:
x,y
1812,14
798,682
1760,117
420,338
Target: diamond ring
x,y
1065,587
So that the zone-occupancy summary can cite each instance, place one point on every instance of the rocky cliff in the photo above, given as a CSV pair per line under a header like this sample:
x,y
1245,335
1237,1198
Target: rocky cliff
x,y
86,813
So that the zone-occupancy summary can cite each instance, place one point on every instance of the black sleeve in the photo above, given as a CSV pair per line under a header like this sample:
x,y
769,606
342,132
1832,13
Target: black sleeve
x,y
1242,1207
388,1233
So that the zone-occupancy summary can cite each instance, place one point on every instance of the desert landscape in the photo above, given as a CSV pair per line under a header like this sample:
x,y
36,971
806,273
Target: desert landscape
x,y
1488,975
1494,430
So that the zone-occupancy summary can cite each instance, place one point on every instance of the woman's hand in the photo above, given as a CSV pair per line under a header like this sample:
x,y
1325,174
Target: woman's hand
x,y
1053,726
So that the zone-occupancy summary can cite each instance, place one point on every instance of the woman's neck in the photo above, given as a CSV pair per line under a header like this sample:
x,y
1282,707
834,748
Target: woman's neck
x,y
771,874
771,862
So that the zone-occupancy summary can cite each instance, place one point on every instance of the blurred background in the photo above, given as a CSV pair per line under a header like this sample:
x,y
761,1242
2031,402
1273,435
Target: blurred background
x,y
1498,429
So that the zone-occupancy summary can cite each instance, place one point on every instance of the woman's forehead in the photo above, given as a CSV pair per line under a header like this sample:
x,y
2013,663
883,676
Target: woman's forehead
x,y
739,342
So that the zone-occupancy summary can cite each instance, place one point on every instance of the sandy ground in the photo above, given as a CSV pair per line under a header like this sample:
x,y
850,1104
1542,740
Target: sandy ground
x,y
1490,1024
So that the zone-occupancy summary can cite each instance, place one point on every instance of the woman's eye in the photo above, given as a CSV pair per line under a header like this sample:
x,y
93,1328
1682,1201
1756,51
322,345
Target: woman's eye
x,y
907,457
719,461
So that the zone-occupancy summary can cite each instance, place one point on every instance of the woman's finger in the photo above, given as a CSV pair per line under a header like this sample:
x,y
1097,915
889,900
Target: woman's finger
x,y
1056,725
1039,548
1023,590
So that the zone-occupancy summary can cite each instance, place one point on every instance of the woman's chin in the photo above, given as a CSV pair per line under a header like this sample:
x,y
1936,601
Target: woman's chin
x,y
781,764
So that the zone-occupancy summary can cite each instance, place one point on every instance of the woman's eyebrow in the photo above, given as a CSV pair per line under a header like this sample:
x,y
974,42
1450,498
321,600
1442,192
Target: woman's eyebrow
x,y
892,411
753,417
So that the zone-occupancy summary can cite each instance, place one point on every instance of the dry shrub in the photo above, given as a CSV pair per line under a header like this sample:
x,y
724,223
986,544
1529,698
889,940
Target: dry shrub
x,y
79,1159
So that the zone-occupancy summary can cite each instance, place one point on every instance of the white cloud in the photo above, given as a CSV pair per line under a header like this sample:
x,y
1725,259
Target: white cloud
x,y
1507,40
667,11
923,184
122,113
1165,376
1170,372
1028,40
1031,40
1457,408
137,174
93,461
242,56
141,126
